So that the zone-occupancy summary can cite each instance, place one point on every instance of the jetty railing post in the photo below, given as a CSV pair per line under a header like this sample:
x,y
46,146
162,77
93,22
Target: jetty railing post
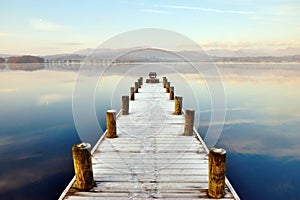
x,y
132,93
111,125
82,160
171,93
168,87
178,105
125,105
136,87
189,122
216,172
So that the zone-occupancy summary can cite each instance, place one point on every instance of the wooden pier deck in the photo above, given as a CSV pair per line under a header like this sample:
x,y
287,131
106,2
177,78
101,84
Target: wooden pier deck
x,y
150,158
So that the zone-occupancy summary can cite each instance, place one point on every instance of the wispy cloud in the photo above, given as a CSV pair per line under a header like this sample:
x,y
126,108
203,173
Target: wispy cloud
x,y
71,43
44,25
240,12
154,11
8,89
50,98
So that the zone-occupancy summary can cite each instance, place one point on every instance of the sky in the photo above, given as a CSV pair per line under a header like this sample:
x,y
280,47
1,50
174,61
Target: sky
x,y
65,26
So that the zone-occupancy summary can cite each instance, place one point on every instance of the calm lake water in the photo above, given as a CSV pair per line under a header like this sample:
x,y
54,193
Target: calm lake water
x,y
260,134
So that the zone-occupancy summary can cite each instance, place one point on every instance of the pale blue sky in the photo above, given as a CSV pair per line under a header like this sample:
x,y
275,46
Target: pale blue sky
x,y
49,26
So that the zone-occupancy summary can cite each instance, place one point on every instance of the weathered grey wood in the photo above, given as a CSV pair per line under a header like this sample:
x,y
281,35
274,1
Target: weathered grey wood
x,y
189,122
150,158
125,105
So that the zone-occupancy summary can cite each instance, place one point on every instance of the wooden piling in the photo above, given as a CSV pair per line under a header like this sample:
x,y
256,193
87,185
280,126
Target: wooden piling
x,y
132,93
171,93
216,172
136,87
189,122
165,82
141,78
111,126
168,87
140,82
82,160
178,105
125,105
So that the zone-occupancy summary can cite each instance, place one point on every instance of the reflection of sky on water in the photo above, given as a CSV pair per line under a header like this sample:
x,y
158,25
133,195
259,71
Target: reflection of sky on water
x,y
36,135
260,131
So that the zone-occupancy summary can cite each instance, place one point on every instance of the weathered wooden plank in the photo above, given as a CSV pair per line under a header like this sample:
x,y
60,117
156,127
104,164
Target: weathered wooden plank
x,y
150,158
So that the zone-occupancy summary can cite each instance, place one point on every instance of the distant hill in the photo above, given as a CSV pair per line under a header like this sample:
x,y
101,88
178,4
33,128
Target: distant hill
x,y
258,59
25,59
154,55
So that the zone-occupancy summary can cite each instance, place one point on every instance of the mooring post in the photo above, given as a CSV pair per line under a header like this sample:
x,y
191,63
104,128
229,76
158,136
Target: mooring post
x,y
136,87
141,78
189,122
132,93
139,83
111,125
164,80
171,93
216,172
82,160
125,105
168,87
178,105
165,83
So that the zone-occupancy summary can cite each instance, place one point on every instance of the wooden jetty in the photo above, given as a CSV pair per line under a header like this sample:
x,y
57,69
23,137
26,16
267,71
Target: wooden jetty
x,y
153,156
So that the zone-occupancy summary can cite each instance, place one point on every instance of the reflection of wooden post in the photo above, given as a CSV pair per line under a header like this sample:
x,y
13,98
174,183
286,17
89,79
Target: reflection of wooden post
x,y
132,93
82,160
125,105
136,87
189,122
111,125
178,105
168,87
216,172
171,93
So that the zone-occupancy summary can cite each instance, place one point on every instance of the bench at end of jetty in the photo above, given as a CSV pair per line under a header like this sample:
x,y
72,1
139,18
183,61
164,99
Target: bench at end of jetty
x,y
152,78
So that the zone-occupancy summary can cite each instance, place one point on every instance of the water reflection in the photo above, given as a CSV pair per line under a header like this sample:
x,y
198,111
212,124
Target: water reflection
x,y
260,131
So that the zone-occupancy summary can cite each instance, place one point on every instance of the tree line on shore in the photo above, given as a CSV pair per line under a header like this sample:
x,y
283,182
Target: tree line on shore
x,y
22,59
